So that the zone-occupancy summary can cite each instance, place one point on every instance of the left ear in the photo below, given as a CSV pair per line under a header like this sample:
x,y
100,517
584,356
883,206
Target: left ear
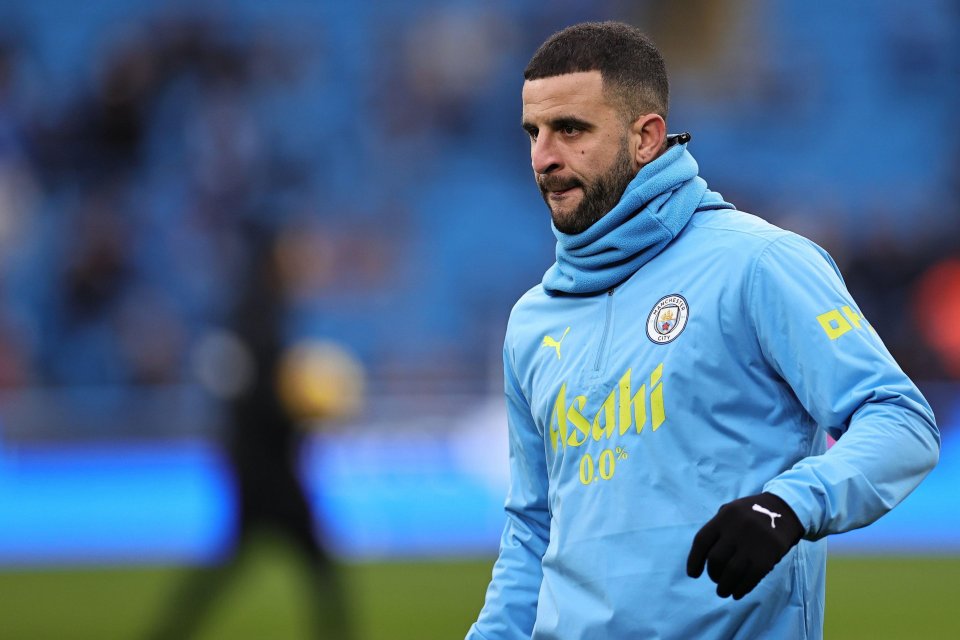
x,y
648,133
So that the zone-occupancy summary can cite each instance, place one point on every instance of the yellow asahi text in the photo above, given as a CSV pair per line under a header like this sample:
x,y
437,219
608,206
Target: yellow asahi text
x,y
621,410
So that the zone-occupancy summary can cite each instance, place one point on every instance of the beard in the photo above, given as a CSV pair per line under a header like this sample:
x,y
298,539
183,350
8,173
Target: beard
x,y
599,196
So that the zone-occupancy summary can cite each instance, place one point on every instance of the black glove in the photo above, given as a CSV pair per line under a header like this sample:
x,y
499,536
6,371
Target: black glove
x,y
743,542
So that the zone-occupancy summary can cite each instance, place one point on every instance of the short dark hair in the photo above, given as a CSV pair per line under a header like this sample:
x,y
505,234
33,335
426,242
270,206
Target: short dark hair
x,y
630,64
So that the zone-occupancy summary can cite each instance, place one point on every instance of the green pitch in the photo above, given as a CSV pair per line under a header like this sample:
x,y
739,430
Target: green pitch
x,y
875,598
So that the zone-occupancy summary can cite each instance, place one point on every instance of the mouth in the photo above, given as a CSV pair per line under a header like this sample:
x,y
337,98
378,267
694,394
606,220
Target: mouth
x,y
562,193
558,191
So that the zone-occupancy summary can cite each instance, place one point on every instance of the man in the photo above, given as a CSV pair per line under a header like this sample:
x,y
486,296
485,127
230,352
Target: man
x,y
262,445
671,383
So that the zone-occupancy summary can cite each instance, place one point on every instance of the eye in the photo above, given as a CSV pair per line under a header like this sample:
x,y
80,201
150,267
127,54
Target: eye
x,y
569,130
533,133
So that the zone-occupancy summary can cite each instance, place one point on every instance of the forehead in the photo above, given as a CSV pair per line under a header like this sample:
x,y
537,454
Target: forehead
x,y
570,93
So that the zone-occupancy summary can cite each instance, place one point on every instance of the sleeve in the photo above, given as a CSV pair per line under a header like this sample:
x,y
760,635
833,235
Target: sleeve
x,y
814,336
510,608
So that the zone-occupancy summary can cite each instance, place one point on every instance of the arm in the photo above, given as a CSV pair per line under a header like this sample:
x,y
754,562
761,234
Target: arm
x,y
511,602
813,335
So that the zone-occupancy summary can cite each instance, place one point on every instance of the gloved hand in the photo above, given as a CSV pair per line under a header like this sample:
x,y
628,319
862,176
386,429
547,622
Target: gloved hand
x,y
743,542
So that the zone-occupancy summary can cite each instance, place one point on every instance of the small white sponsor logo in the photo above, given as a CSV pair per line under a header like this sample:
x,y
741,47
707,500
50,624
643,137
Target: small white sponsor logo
x,y
773,516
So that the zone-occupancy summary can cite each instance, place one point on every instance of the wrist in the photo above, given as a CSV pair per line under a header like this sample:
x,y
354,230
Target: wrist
x,y
792,529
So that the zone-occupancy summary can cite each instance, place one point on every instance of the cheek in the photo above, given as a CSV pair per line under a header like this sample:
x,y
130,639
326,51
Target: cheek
x,y
587,157
593,161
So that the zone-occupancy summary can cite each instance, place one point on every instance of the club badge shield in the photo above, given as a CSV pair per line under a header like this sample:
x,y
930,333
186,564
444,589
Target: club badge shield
x,y
667,319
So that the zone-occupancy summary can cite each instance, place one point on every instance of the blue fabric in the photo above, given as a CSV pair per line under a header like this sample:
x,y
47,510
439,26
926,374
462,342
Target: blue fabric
x,y
655,206
629,428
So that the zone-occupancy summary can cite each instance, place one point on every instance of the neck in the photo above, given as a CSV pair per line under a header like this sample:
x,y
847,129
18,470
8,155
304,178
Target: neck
x,y
654,208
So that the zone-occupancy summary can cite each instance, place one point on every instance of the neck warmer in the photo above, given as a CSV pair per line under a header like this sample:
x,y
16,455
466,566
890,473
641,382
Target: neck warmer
x,y
655,207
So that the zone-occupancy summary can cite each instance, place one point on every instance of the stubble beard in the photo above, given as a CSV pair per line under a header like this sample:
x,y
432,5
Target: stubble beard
x,y
599,196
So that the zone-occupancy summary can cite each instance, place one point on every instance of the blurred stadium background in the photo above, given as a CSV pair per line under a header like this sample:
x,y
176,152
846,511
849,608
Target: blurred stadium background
x,y
378,144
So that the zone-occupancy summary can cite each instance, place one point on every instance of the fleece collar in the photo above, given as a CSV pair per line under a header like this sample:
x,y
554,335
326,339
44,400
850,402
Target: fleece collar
x,y
655,207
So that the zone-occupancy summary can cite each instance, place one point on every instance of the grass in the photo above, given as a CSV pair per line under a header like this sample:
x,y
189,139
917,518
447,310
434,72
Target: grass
x,y
876,598
893,598
267,598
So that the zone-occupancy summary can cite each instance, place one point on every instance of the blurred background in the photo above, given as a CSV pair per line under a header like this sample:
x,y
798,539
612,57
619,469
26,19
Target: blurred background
x,y
196,197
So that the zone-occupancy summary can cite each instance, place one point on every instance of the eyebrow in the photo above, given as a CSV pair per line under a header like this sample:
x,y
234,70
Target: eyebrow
x,y
560,122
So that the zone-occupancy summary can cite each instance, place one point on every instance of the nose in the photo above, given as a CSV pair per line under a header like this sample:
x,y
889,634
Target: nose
x,y
545,155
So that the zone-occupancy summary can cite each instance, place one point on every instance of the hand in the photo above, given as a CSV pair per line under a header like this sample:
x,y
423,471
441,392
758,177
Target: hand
x,y
743,542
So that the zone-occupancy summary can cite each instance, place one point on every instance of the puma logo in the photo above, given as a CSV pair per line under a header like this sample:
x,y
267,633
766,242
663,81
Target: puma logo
x,y
773,516
550,342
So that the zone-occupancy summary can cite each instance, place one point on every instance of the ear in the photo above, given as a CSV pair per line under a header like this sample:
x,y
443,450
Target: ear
x,y
648,133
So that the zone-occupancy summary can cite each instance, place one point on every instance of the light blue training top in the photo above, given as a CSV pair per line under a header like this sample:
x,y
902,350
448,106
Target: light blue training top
x,y
681,354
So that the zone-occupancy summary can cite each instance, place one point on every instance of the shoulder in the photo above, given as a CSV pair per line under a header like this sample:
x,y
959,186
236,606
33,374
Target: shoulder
x,y
778,268
754,239
745,228
527,310
526,318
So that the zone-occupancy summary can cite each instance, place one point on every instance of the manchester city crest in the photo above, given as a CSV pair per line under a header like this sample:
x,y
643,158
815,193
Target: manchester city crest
x,y
667,319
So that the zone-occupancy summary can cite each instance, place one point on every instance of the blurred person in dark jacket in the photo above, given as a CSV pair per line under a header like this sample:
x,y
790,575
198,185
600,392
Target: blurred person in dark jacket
x,y
274,388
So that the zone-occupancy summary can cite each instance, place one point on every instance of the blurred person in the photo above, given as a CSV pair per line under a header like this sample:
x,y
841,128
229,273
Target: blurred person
x,y
105,135
91,276
680,359
263,446
160,158
18,188
936,306
15,365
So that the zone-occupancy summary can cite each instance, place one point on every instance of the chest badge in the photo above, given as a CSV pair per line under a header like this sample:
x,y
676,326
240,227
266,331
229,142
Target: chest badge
x,y
667,319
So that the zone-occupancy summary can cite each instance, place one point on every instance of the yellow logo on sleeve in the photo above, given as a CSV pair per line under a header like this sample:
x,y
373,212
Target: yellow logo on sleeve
x,y
835,325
